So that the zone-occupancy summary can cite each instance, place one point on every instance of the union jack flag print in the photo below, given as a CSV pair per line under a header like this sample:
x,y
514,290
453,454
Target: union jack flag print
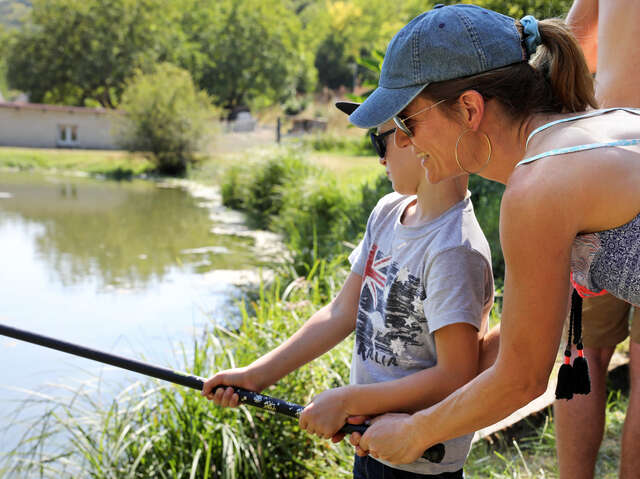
x,y
375,274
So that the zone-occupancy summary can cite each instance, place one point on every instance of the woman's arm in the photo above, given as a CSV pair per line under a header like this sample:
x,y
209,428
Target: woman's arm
x,y
537,230
326,328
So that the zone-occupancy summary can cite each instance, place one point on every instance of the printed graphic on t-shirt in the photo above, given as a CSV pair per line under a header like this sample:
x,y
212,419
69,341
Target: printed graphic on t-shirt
x,y
390,314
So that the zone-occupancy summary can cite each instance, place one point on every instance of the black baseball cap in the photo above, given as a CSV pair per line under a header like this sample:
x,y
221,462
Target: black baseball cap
x,y
347,107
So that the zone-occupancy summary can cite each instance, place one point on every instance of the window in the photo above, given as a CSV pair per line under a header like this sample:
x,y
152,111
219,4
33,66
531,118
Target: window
x,y
67,135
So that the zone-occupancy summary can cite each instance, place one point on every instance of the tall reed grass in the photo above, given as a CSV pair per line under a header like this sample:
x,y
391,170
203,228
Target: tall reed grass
x,y
155,429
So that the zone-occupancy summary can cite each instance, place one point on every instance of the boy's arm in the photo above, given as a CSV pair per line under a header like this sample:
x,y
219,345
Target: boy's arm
x,y
457,347
326,328
489,348
460,293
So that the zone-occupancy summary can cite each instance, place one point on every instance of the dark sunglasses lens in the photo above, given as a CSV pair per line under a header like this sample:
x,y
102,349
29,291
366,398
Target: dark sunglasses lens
x,y
378,144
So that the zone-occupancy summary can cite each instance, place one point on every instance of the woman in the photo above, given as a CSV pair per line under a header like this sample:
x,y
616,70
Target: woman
x,y
513,113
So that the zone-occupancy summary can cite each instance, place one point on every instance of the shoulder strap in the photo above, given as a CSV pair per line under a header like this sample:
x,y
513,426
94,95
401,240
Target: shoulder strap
x,y
573,149
635,111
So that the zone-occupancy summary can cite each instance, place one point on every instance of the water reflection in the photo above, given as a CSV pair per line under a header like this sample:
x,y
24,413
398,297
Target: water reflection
x,y
122,235
132,268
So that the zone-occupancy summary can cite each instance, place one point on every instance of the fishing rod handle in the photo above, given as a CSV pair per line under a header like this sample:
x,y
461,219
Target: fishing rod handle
x,y
434,454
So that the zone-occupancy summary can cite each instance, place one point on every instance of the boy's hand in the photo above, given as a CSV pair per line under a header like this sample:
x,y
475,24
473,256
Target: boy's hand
x,y
225,397
352,420
326,413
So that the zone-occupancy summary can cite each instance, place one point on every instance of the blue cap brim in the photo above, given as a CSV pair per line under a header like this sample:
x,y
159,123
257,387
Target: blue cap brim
x,y
383,104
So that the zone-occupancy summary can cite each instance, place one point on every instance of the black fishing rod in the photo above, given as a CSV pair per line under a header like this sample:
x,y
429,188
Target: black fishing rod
x,y
262,401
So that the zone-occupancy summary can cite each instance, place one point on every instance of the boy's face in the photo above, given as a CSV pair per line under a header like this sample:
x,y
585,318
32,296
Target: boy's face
x,y
402,166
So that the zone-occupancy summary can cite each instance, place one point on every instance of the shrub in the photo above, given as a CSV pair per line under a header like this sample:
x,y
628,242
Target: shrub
x,y
264,196
313,208
486,197
358,146
165,115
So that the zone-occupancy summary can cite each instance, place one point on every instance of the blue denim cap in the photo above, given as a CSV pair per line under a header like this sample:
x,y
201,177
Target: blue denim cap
x,y
447,42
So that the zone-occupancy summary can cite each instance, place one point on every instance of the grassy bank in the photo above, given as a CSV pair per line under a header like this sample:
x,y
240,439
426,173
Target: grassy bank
x,y
112,164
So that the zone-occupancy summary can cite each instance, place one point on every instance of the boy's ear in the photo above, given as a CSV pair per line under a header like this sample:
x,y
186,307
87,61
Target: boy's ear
x,y
472,106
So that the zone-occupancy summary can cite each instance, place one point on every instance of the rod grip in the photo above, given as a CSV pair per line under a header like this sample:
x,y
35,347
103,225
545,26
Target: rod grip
x,y
434,453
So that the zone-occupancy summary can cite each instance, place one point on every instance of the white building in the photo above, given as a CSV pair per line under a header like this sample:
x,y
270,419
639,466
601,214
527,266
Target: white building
x,y
36,125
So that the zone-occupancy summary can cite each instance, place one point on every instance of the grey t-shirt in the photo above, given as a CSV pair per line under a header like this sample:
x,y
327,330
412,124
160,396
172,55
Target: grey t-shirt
x,y
415,280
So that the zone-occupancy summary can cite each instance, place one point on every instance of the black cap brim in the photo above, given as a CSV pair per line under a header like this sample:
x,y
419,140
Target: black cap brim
x,y
347,107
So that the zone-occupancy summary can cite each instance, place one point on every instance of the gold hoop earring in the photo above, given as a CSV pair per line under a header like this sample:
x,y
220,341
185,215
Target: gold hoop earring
x,y
464,132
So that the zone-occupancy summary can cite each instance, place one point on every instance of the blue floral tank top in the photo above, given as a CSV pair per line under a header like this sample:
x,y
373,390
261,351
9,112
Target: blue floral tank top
x,y
604,261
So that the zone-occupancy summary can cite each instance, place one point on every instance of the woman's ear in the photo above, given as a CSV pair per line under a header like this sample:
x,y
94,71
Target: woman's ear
x,y
472,105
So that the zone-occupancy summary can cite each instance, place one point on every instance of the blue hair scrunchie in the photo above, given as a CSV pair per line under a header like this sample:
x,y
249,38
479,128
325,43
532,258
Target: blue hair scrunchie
x,y
532,38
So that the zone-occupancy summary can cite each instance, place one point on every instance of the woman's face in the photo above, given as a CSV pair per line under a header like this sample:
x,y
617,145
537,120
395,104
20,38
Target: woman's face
x,y
433,139
402,166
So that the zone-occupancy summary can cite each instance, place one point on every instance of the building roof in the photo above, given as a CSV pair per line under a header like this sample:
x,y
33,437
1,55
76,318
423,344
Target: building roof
x,y
63,108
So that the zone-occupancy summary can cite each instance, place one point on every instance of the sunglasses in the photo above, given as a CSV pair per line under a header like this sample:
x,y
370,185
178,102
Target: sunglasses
x,y
380,141
402,126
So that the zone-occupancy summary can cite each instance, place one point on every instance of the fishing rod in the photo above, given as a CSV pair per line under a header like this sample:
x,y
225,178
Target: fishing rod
x,y
434,453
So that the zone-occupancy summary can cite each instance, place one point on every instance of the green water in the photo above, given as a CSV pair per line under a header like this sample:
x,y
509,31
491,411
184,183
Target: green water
x,y
135,268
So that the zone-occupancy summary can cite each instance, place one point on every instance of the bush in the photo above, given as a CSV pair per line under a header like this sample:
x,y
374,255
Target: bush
x,y
486,197
313,209
358,146
266,189
165,115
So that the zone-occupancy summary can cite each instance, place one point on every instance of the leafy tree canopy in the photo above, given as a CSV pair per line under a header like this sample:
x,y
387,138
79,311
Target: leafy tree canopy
x,y
240,50
82,51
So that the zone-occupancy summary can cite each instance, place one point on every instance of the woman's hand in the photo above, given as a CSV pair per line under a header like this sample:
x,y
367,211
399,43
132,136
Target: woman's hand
x,y
392,437
225,397
326,413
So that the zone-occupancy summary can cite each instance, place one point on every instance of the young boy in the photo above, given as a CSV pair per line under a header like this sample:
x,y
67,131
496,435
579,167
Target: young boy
x,y
418,297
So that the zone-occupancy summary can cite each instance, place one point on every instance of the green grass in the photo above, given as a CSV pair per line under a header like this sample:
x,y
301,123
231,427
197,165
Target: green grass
x,y
532,454
113,164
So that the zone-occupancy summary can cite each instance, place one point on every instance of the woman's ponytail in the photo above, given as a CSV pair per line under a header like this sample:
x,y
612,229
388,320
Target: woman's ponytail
x,y
560,59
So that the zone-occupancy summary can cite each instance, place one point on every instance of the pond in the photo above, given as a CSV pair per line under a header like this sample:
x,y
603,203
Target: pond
x,y
134,268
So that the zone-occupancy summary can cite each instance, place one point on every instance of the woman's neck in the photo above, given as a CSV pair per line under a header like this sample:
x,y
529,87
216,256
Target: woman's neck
x,y
509,139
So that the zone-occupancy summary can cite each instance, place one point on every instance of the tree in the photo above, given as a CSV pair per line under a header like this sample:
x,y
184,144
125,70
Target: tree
x,y
240,50
519,8
345,31
166,115
3,64
82,51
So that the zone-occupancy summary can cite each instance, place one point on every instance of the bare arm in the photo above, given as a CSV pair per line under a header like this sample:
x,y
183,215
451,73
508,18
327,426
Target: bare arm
x,y
617,71
489,348
326,328
582,19
457,350
607,32
537,230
